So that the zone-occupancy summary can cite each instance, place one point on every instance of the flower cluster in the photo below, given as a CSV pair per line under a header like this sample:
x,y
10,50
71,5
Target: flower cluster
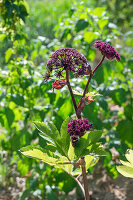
x,y
77,128
107,50
67,59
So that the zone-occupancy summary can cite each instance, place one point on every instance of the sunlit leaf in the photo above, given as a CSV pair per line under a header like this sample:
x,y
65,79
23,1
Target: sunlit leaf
x,y
65,138
71,153
90,36
127,168
125,171
36,152
90,161
2,36
8,54
89,94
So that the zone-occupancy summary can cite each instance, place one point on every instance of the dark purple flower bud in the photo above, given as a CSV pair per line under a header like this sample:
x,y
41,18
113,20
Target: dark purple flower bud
x,y
77,128
74,140
46,76
107,50
84,70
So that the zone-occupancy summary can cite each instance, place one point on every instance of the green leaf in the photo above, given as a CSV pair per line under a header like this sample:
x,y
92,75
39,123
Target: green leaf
x,y
50,133
90,161
23,167
102,23
92,94
2,36
98,11
125,171
81,145
65,138
81,24
36,152
125,128
89,94
9,115
65,33
45,132
18,99
99,152
129,156
71,153
87,140
8,53
128,111
94,136
90,36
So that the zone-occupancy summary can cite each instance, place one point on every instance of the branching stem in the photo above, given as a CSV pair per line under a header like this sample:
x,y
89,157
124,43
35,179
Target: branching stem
x,y
71,92
92,75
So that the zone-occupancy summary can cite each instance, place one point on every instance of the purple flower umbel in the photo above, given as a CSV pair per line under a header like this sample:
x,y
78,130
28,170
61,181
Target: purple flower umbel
x,y
67,59
107,50
77,128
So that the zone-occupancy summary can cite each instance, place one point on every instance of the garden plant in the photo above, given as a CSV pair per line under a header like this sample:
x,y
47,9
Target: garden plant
x,y
76,147
80,102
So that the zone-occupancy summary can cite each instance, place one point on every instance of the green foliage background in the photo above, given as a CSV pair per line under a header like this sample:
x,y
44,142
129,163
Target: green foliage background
x,y
29,32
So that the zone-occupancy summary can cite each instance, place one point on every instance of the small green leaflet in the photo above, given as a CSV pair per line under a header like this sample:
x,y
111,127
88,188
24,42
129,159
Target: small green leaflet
x,y
89,94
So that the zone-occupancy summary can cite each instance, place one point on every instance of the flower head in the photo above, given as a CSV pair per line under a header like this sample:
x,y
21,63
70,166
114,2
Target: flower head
x,y
107,50
77,128
67,59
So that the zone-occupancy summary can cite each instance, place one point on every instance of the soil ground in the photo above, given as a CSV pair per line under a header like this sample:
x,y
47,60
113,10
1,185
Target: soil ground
x,y
101,187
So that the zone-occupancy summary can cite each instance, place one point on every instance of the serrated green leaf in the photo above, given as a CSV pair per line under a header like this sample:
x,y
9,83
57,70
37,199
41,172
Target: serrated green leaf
x,y
35,152
54,132
50,133
45,132
65,138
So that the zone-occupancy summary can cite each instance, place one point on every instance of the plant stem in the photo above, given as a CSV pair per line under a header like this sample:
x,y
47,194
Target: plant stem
x,y
92,75
80,185
82,161
71,92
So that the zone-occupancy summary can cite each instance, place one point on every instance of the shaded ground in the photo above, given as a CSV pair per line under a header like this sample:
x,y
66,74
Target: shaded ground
x,y
101,187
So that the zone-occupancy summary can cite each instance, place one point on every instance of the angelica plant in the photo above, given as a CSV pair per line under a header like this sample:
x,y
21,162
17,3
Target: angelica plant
x,y
75,148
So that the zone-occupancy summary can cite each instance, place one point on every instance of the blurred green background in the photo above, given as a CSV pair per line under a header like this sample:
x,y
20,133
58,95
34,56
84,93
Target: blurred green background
x,y
29,32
